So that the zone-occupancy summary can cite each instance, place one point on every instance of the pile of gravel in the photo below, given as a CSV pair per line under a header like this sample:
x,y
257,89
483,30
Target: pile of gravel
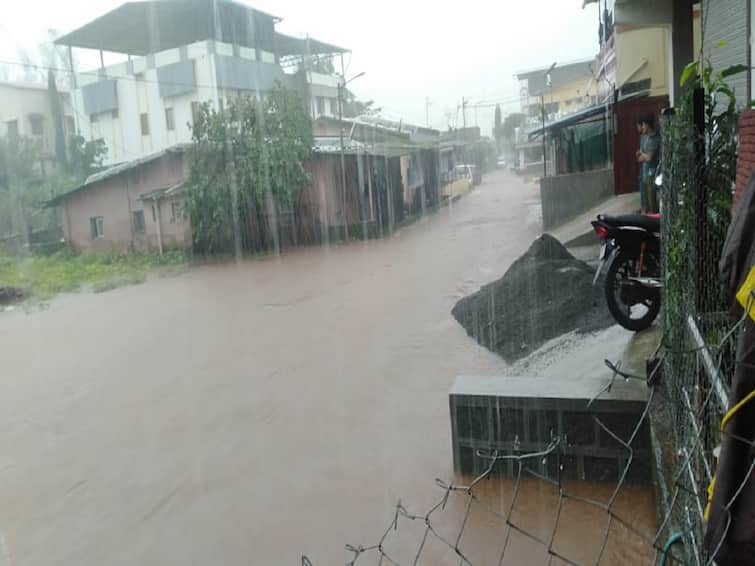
x,y
545,293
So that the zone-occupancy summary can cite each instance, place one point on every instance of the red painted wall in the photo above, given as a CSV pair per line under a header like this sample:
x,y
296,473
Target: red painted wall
x,y
626,140
746,158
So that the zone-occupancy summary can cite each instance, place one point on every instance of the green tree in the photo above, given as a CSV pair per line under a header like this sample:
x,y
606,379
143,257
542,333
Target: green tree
x,y
247,165
509,126
85,157
56,109
23,189
26,185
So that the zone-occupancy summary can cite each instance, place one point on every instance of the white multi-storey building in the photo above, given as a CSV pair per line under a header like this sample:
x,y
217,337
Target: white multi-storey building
x,y
26,110
181,54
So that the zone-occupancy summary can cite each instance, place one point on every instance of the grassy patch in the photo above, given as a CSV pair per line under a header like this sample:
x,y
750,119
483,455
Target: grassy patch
x,y
42,277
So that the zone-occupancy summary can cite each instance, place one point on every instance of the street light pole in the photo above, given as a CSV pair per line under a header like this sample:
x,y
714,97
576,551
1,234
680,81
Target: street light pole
x,y
542,105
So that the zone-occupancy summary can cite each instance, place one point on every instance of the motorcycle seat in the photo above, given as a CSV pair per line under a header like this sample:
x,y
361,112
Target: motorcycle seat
x,y
649,223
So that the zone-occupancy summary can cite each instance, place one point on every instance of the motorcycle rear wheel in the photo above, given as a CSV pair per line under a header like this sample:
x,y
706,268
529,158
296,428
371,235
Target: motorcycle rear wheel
x,y
622,267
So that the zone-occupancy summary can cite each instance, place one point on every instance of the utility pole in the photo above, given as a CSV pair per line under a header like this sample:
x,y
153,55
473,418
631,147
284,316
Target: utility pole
x,y
542,107
343,154
464,103
341,95
427,111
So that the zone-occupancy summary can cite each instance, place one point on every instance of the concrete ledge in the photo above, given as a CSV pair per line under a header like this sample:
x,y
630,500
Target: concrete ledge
x,y
565,196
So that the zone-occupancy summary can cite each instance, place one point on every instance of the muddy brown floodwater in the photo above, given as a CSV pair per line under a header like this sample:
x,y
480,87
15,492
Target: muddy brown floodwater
x,y
252,413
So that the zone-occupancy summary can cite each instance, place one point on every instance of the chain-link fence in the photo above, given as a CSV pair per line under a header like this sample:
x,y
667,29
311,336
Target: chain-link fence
x,y
699,164
688,390
449,532
686,384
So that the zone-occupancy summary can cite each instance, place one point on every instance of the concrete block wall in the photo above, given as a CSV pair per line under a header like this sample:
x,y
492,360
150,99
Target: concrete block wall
x,y
524,425
565,196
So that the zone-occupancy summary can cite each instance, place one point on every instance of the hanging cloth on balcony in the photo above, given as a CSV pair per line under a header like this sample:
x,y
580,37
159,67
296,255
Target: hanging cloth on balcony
x,y
731,521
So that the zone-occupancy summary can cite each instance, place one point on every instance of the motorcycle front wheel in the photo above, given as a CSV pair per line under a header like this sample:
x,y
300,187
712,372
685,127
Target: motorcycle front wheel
x,y
631,305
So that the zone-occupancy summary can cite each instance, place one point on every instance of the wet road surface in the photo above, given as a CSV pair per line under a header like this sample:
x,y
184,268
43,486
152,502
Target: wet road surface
x,y
252,413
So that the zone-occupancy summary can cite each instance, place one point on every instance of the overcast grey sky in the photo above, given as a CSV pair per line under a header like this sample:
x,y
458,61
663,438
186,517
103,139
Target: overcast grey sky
x,y
409,49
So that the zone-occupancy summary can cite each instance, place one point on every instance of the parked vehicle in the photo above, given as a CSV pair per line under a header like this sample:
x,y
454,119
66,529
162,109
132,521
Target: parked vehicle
x,y
468,171
632,251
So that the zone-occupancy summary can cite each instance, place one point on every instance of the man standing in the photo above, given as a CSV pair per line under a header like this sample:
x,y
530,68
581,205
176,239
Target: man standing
x,y
643,208
649,156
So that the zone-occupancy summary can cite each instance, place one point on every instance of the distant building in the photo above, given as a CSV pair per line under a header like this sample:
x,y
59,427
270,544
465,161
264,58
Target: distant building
x,y
563,89
26,111
181,54
392,171
547,94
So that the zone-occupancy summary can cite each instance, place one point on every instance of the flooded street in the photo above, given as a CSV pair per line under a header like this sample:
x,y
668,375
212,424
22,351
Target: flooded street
x,y
252,413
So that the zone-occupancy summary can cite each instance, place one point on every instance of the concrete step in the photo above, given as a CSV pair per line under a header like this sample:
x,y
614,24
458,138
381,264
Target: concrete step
x,y
578,231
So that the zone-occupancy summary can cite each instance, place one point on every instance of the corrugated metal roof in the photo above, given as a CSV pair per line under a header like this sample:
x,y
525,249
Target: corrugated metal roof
x,y
129,28
116,170
290,45
579,63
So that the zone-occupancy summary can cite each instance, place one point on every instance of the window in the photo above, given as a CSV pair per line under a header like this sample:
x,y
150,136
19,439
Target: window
x,y
139,77
139,226
37,125
114,114
320,105
195,110
170,121
12,129
144,118
97,226
334,106
70,125
93,119
175,211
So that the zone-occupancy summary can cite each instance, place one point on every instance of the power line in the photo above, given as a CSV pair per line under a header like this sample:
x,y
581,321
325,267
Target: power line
x,y
98,74
81,116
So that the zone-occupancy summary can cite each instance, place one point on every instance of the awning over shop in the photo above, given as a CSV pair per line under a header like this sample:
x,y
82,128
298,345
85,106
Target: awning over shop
x,y
568,120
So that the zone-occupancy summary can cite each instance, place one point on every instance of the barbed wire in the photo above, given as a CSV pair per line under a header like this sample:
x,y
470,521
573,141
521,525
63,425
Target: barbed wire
x,y
682,521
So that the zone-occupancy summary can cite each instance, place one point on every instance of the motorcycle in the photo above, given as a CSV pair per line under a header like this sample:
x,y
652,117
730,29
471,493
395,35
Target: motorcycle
x,y
632,251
